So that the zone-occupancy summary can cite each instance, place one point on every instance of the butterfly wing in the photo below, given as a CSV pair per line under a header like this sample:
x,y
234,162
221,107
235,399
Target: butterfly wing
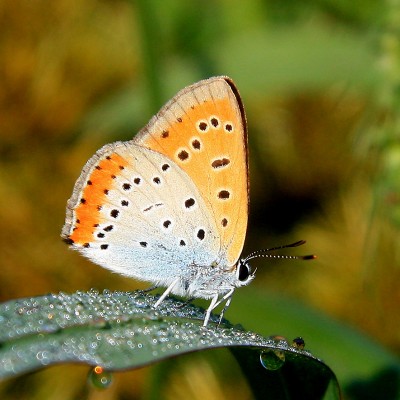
x,y
203,130
173,199
136,212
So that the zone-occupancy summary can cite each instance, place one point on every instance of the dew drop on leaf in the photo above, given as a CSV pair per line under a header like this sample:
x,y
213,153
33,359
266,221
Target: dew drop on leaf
x,y
298,343
272,359
99,378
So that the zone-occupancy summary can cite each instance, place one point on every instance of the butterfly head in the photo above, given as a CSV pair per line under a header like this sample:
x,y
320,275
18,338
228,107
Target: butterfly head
x,y
244,273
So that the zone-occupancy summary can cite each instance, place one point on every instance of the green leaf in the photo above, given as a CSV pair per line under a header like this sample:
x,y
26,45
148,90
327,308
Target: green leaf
x,y
355,357
121,330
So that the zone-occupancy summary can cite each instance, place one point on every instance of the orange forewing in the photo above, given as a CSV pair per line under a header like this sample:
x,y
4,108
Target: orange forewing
x,y
216,160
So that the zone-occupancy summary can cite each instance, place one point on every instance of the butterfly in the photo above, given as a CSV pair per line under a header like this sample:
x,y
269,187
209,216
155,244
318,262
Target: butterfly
x,y
170,206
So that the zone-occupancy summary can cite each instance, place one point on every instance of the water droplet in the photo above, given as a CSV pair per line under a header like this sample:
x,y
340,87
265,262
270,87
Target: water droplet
x,y
272,359
279,339
298,343
100,378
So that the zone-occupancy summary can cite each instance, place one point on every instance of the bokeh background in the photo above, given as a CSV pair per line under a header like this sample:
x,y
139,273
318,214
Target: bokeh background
x,y
320,83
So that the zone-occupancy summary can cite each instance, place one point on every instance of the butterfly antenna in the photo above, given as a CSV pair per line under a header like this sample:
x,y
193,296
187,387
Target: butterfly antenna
x,y
265,253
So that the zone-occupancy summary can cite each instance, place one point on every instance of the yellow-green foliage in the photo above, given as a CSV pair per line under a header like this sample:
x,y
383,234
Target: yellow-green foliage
x,y
319,81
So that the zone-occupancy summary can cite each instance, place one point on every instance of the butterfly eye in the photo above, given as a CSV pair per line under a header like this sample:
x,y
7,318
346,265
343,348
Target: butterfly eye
x,y
243,271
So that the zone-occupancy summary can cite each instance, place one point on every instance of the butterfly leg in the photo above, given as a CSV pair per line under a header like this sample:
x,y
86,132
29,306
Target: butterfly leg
x,y
186,302
213,304
166,293
227,304
149,289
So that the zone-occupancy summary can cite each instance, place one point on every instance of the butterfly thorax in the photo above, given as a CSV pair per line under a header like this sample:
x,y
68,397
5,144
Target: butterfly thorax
x,y
207,281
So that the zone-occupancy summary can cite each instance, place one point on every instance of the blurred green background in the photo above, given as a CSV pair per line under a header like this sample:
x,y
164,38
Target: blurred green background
x,y
320,83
